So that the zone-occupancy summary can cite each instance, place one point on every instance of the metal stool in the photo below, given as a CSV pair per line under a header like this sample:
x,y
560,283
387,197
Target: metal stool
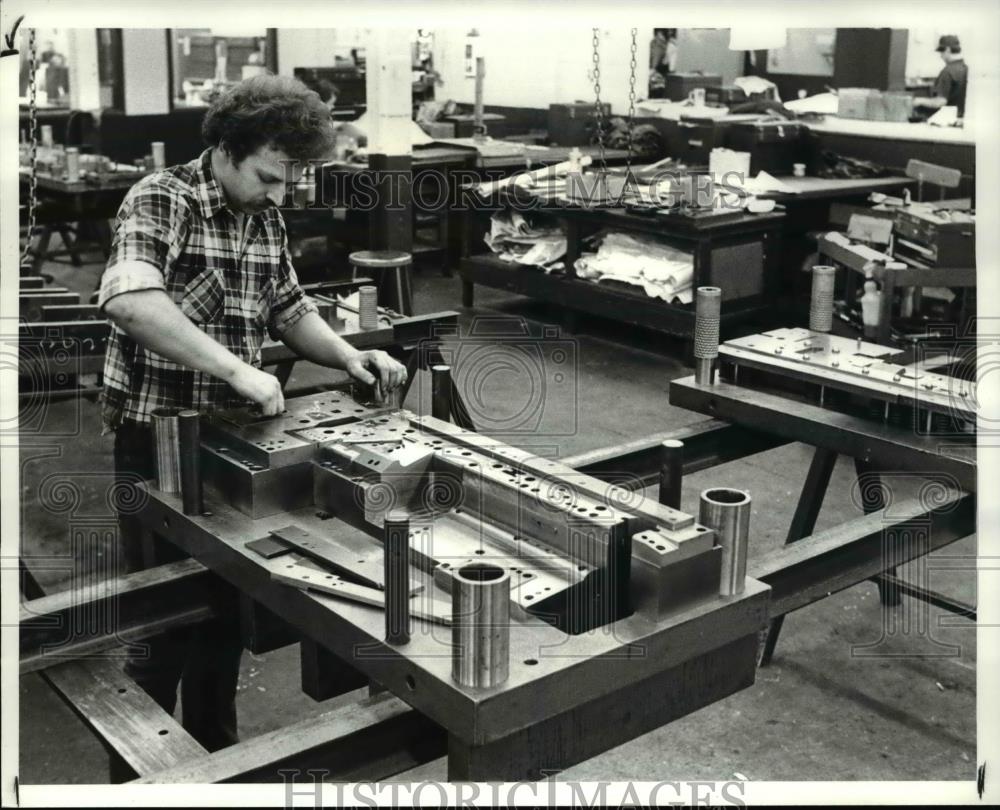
x,y
391,271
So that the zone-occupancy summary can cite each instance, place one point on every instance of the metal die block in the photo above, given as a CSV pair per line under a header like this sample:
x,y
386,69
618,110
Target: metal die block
x,y
543,510
389,427
865,369
558,480
537,574
361,500
253,489
659,546
263,447
275,448
658,591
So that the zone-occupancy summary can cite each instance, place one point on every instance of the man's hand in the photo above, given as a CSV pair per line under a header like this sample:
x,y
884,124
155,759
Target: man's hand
x,y
152,319
371,366
260,387
312,338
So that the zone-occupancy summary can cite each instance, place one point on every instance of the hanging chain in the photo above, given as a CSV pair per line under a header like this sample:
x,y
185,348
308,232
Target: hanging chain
x,y
33,139
598,107
631,102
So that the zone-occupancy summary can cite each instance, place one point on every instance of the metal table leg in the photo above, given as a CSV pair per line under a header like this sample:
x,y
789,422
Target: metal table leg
x,y
803,523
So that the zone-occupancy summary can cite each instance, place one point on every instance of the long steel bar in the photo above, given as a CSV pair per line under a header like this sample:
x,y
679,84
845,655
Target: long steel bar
x,y
832,560
892,447
933,598
61,626
706,444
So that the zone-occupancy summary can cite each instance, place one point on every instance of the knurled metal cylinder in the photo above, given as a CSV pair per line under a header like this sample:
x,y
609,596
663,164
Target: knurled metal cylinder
x,y
727,511
441,392
166,449
671,472
707,313
189,443
480,601
396,540
821,304
72,164
367,306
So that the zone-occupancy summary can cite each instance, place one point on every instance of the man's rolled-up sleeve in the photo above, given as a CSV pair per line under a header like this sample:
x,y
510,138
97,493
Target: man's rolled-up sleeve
x,y
290,303
149,231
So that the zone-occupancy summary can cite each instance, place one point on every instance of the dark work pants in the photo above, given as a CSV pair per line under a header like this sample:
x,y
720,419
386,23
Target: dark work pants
x,y
204,658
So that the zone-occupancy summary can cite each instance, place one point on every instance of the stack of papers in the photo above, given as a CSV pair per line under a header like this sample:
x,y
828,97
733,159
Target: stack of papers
x,y
675,110
513,239
822,103
765,183
662,271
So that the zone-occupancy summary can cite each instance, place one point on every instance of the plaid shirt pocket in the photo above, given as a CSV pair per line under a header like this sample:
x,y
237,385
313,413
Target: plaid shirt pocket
x,y
205,297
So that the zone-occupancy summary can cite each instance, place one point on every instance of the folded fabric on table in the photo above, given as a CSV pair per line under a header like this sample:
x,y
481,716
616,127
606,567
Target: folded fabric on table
x,y
514,239
661,270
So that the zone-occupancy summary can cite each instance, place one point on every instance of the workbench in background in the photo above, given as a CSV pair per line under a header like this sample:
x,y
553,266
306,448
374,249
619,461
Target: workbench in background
x,y
62,342
894,144
738,251
439,173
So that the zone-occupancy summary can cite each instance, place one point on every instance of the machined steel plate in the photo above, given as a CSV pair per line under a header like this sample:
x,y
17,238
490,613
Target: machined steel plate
x,y
851,365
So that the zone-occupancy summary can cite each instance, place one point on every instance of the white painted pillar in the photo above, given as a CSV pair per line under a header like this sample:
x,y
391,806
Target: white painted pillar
x,y
84,83
144,61
389,91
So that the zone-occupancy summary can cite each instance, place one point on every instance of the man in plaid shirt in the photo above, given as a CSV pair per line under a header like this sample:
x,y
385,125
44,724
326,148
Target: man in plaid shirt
x,y
199,270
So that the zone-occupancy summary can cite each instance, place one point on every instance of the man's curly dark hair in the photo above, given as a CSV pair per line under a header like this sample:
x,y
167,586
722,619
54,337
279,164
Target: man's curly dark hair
x,y
275,111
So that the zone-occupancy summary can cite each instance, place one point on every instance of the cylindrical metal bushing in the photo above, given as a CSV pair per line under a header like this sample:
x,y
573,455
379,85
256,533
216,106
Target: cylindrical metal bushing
x,y
821,305
396,542
189,442
166,449
727,511
707,312
671,472
441,392
367,306
480,601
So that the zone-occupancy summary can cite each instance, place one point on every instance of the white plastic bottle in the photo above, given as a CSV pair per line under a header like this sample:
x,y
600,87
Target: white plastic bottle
x,y
871,302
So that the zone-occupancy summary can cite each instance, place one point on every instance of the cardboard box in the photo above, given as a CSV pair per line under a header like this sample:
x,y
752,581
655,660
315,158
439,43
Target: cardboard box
x,y
855,102
873,105
897,106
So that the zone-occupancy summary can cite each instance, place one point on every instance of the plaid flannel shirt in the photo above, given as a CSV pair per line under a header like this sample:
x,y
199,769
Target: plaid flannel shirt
x,y
232,286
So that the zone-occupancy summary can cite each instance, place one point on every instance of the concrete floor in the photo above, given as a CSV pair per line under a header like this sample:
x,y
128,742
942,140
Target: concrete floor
x,y
839,702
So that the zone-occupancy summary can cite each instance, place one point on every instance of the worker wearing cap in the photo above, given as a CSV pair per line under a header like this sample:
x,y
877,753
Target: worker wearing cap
x,y
950,85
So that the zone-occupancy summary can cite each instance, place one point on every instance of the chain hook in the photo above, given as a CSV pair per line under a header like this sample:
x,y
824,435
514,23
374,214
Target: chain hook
x,y
598,106
631,102
33,139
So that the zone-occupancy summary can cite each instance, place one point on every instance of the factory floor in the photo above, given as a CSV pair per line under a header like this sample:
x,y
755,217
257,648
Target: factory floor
x,y
847,697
